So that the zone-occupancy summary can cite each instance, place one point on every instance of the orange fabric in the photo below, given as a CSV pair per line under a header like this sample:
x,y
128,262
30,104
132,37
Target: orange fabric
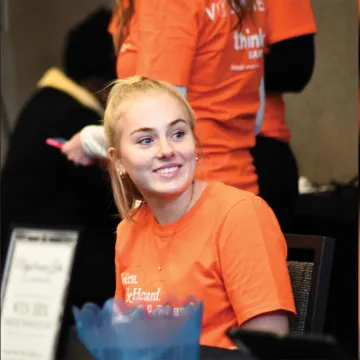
x,y
237,266
285,19
191,43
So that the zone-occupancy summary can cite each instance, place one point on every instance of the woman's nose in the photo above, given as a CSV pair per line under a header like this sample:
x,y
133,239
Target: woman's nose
x,y
165,149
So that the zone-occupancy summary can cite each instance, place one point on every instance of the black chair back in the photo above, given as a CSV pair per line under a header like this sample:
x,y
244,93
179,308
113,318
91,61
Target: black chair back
x,y
309,263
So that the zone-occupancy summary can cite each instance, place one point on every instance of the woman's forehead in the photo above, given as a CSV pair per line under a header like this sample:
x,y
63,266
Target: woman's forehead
x,y
150,110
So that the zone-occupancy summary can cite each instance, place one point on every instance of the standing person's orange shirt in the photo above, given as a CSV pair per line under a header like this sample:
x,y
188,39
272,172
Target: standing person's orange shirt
x,y
235,263
192,44
285,19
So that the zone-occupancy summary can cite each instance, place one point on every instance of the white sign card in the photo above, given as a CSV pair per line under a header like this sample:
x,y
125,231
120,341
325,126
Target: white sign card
x,y
33,292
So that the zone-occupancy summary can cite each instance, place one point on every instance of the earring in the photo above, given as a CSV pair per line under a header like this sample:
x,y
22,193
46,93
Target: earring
x,y
196,158
119,172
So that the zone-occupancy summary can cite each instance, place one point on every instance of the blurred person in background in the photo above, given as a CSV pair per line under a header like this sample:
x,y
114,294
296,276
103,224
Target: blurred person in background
x,y
39,186
212,51
288,67
289,63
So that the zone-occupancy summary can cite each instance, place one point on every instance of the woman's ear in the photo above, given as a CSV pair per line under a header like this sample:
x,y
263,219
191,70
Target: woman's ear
x,y
111,153
116,162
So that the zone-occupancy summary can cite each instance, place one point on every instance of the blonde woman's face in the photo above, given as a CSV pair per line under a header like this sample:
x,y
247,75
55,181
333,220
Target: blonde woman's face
x,y
156,144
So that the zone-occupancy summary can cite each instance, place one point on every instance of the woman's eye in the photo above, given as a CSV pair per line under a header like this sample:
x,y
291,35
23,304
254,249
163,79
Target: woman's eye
x,y
178,135
145,141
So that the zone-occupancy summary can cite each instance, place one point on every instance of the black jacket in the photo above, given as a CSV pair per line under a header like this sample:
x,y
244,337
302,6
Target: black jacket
x,y
39,186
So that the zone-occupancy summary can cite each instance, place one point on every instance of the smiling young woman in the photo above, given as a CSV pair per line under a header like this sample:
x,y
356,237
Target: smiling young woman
x,y
151,131
189,237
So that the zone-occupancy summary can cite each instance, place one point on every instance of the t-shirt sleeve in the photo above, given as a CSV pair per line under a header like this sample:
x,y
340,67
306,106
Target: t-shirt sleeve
x,y
252,252
93,141
167,36
287,19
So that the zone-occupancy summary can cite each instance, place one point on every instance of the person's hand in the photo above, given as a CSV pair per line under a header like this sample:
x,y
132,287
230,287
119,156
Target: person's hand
x,y
74,151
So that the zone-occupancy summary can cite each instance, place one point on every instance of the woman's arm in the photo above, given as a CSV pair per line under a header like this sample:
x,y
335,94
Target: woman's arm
x,y
289,65
94,142
290,35
276,321
85,146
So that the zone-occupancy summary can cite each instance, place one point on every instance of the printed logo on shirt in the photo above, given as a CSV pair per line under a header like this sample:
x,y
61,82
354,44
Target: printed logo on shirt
x,y
135,293
221,8
149,295
259,5
248,41
254,42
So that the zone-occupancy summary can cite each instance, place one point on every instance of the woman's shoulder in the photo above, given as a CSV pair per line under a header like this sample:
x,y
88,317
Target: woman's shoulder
x,y
138,219
130,228
224,201
244,215
228,196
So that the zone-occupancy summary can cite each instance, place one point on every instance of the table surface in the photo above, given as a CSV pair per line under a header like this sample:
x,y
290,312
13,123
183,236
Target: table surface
x,y
77,351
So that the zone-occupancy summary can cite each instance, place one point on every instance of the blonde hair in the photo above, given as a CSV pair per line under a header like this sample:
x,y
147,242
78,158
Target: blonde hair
x,y
126,194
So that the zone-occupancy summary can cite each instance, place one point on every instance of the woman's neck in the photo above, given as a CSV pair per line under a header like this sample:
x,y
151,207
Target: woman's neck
x,y
169,210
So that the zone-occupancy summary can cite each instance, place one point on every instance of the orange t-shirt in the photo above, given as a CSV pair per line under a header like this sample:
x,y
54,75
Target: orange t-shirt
x,y
192,44
235,262
285,19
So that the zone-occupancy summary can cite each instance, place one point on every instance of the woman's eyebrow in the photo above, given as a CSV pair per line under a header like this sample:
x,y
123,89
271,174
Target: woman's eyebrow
x,y
148,129
144,129
176,122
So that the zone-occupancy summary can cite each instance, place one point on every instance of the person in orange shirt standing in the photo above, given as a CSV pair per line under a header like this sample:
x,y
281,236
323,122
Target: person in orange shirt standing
x,y
165,249
212,50
289,62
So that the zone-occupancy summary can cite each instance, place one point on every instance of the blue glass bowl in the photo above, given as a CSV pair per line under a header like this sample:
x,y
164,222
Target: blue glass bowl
x,y
120,332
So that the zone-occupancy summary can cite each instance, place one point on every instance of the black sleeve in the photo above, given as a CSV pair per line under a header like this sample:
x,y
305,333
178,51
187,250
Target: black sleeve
x,y
39,185
76,119
289,64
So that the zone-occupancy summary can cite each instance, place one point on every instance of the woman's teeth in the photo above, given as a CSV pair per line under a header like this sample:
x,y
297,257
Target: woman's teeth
x,y
167,170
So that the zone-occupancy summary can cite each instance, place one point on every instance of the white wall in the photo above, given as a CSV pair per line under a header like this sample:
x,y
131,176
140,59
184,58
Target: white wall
x,y
324,118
